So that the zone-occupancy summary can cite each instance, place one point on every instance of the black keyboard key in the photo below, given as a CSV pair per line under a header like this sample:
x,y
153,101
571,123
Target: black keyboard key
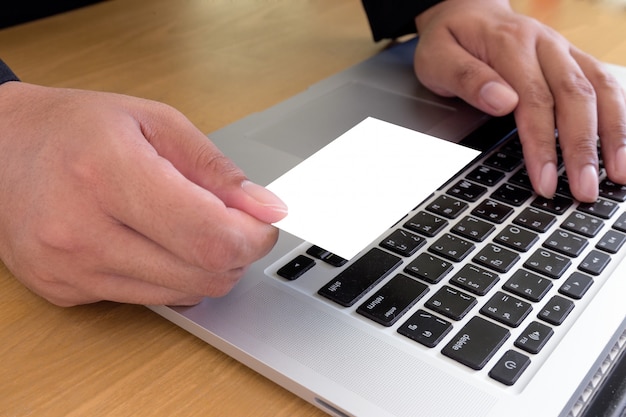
x,y
566,243
317,252
335,260
556,310
612,241
562,186
428,268
510,367
534,337
528,285
492,211
476,343
426,224
466,190
451,303
473,228
534,219
425,328
485,175
296,267
402,242
583,224
474,279
576,285
513,147
609,189
595,262
506,309
521,179
601,208
451,247
548,263
557,205
511,194
496,258
620,223
354,281
447,206
326,256
504,161
391,301
516,238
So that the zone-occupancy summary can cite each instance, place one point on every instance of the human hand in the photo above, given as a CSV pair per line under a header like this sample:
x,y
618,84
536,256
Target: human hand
x,y
109,197
500,61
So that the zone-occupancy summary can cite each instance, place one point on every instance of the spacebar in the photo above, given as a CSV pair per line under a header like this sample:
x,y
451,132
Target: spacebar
x,y
476,343
354,281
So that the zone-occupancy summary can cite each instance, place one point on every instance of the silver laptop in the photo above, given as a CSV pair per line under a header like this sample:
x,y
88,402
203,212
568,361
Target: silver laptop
x,y
485,300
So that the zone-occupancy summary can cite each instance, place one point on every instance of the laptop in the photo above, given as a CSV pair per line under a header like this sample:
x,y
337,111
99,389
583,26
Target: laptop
x,y
484,300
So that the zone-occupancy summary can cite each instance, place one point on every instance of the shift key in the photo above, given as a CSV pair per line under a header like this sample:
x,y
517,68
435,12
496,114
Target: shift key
x,y
359,277
476,343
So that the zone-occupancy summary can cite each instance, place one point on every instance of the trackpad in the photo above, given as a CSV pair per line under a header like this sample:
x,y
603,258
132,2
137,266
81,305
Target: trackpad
x,y
317,122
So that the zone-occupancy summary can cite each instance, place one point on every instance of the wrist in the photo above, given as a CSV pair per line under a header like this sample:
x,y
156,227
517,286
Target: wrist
x,y
444,9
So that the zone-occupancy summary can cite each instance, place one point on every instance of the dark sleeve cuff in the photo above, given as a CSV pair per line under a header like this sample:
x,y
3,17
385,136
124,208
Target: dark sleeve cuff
x,y
390,19
6,74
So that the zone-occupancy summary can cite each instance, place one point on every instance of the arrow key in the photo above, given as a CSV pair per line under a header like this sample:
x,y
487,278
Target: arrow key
x,y
576,285
296,267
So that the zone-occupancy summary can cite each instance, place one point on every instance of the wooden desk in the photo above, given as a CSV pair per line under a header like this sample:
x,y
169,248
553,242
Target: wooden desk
x,y
216,61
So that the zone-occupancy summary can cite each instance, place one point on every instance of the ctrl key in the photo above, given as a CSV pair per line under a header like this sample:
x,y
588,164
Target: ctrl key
x,y
510,367
476,343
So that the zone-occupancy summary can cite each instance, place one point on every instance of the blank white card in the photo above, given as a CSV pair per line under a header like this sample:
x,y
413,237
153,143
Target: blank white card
x,y
348,193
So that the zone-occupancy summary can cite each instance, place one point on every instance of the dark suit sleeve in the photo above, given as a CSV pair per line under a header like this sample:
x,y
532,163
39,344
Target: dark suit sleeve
x,y
6,74
26,10
390,19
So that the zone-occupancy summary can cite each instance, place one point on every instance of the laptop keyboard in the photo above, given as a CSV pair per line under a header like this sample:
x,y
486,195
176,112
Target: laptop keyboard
x,y
484,271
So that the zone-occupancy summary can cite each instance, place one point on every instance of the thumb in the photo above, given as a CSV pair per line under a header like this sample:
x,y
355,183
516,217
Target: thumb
x,y
456,72
176,139
219,175
265,205
494,97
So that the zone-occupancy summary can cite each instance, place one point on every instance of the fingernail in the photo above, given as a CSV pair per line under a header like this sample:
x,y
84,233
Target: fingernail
x,y
264,196
588,183
501,98
548,180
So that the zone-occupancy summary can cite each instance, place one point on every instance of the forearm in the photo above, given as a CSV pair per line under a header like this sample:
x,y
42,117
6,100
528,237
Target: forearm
x,y
6,74
392,19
